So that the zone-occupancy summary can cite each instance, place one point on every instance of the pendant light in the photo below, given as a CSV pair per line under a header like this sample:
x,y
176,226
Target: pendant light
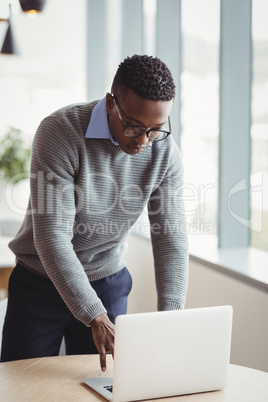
x,y
9,45
32,6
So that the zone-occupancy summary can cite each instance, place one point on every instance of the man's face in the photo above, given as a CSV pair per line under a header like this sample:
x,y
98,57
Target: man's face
x,y
136,111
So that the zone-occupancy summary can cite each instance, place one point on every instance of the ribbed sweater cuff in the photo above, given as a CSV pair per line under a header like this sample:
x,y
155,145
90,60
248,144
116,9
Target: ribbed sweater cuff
x,y
91,312
166,306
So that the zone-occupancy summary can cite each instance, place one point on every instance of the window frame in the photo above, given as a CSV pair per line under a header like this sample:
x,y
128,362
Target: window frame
x,y
235,105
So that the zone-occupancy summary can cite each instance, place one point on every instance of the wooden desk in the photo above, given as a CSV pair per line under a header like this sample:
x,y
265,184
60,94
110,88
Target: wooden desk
x,y
60,379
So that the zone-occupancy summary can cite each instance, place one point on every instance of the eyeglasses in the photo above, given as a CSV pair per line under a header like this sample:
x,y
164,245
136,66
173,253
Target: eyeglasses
x,y
129,130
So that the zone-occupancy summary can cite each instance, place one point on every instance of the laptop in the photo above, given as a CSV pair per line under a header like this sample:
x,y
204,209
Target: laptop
x,y
170,353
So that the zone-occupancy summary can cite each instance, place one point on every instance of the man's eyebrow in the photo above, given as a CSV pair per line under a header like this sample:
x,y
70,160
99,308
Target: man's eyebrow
x,y
133,119
139,122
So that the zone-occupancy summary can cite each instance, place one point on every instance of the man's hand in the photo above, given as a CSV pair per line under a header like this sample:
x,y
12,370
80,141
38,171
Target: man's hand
x,y
103,336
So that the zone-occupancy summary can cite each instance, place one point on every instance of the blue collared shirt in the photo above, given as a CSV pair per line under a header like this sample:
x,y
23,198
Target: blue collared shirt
x,y
98,125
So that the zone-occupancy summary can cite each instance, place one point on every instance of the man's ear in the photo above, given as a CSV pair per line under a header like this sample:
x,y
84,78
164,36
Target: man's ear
x,y
109,104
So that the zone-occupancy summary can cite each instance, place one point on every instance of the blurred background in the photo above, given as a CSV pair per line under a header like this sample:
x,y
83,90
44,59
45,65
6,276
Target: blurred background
x,y
70,51
217,51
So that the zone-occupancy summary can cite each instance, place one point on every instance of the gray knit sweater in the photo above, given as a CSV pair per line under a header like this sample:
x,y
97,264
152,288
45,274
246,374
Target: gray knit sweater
x,y
86,194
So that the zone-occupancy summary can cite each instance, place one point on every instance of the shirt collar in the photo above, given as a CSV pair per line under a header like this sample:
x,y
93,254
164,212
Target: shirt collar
x,y
98,127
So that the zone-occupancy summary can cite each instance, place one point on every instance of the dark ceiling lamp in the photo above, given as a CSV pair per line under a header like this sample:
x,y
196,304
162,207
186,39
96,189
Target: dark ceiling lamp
x,y
9,44
32,6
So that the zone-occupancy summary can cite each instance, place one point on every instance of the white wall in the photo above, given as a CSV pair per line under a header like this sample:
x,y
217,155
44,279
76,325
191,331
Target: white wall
x,y
207,287
139,261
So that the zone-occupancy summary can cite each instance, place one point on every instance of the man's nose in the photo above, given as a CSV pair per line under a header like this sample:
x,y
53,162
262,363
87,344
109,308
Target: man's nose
x,y
143,139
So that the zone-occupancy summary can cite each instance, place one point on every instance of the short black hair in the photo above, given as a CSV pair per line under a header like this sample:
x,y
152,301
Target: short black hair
x,y
147,76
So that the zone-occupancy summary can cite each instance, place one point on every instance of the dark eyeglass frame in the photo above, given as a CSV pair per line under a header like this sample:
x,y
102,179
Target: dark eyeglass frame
x,y
143,129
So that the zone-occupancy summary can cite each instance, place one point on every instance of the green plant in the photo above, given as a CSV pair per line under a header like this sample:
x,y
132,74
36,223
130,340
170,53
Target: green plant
x,y
14,155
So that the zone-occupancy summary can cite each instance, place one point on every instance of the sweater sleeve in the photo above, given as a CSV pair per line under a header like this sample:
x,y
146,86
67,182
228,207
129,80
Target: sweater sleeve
x,y
53,204
169,236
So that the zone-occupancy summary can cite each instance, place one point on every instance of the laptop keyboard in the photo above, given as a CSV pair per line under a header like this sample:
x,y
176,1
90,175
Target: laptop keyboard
x,y
108,387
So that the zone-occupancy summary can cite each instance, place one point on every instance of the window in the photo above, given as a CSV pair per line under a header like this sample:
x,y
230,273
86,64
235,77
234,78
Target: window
x,y
49,73
149,28
200,22
207,46
50,70
259,126
113,29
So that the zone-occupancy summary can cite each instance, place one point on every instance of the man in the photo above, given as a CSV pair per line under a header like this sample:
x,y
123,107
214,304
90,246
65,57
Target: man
x,y
95,167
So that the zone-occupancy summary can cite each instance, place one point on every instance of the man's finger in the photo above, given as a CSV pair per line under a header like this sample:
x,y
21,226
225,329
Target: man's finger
x,y
103,358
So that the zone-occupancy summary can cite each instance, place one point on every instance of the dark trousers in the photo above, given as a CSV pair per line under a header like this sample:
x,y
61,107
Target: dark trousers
x,y
37,318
